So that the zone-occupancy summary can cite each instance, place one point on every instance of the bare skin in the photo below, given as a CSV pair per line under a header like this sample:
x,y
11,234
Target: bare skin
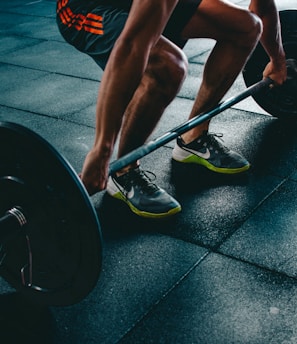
x,y
153,95
231,52
134,74
122,76
271,40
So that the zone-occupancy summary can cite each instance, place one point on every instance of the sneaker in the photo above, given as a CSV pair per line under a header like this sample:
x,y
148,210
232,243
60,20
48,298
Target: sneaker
x,y
211,153
143,197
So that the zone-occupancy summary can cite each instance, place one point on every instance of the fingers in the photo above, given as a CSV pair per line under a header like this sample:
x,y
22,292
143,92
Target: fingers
x,y
94,173
93,185
276,71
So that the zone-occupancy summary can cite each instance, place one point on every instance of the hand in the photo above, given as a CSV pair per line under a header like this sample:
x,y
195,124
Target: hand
x,y
94,173
277,71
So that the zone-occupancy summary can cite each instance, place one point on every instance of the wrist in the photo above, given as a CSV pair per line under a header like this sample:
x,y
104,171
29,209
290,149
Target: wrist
x,y
102,150
278,57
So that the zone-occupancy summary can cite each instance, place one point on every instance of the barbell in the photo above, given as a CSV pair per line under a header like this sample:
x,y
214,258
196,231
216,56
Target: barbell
x,y
280,102
50,239
50,235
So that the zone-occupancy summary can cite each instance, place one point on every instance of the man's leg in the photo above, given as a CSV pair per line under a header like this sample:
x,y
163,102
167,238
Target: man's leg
x,y
236,31
166,71
162,79
165,61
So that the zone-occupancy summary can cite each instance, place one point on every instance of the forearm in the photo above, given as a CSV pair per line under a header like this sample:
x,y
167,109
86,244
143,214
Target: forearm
x,y
120,79
271,36
127,64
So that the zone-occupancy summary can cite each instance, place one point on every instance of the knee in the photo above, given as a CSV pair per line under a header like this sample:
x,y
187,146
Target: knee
x,y
175,66
256,27
168,69
253,30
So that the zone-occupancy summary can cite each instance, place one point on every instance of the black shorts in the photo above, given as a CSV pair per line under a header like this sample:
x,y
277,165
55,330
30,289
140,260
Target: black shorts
x,y
93,26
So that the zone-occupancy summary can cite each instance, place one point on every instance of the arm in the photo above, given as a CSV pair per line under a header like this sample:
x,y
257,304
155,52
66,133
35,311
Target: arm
x,y
271,39
123,73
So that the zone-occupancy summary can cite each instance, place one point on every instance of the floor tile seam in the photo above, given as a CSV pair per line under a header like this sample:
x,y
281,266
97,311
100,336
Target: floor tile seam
x,y
233,107
49,116
197,63
37,41
151,309
3,13
256,265
78,123
289,177
26,67
292,179
185,97
270,194
251,212
49,72
29,112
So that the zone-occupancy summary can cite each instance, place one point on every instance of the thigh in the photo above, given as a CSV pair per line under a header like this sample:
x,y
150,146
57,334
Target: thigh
x,y
181,15
217,19
92,30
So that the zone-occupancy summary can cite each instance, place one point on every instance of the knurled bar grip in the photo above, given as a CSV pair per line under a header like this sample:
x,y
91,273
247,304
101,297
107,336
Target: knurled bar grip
x,y
190,124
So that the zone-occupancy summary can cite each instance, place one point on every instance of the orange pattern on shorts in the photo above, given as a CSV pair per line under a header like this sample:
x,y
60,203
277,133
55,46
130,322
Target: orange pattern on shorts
x,y
89,23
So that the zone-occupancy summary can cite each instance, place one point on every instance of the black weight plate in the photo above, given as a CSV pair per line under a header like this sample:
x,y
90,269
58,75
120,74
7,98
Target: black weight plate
x,y
63,232
279,101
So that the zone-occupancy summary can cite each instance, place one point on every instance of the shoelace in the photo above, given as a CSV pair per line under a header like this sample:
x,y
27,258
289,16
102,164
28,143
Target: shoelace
x,y
217,145
144,179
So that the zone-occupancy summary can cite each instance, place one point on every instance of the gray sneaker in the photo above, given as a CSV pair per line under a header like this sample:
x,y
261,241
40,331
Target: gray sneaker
x,y
143,197
208,151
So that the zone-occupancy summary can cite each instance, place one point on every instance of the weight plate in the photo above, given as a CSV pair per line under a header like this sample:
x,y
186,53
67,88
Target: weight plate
x,y
56,258
278,101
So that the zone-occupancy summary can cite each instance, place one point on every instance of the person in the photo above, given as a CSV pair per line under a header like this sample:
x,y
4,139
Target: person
x,y
139,45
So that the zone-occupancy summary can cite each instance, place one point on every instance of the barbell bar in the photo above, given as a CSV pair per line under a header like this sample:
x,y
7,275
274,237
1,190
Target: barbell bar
x,y
152,145
278,101
50,235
